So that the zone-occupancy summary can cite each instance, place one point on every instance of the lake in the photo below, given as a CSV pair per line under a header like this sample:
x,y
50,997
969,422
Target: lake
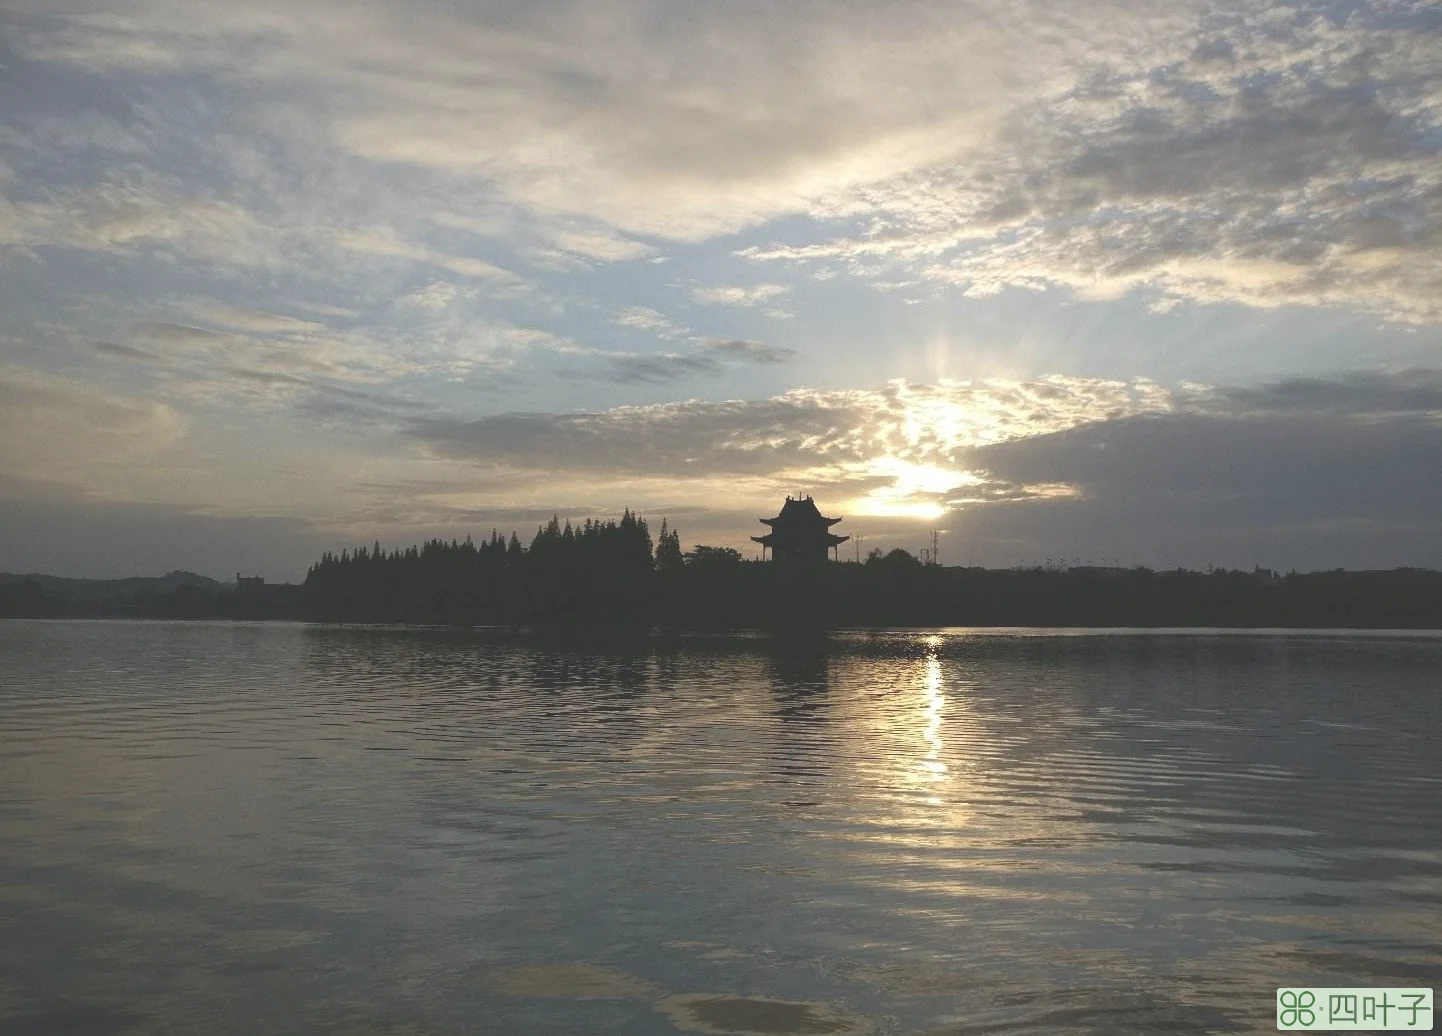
x,y
274,828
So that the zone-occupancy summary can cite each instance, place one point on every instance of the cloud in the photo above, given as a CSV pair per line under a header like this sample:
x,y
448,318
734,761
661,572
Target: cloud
x,y
327,401
160,220
60,430
732,295
799,430
665,440
130,353
712,356
184,337
292,348
1189,151
438,295
128,218
1276,467
1290,165
593,242
649,129
617,114
299,366
384,245
1414,392
644,318
199,350
253,320
749,352
1267,481
627,368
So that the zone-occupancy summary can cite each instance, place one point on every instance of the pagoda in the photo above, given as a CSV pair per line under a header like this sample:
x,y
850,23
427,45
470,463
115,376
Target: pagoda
x,y
799,532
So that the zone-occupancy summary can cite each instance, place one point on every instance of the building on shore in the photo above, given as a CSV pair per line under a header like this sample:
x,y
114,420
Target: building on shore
x,y
254,598
800,532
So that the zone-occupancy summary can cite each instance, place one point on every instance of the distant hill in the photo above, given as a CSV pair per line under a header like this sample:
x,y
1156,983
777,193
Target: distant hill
x,y
95,590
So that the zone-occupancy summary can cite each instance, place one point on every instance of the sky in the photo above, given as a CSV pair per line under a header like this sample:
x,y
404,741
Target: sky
x,y
1110,281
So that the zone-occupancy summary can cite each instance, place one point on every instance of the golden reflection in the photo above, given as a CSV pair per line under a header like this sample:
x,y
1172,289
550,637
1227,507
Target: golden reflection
x,y
928,723
934,771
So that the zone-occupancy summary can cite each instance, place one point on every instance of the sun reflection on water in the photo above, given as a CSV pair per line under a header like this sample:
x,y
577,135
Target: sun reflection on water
x,y
933,770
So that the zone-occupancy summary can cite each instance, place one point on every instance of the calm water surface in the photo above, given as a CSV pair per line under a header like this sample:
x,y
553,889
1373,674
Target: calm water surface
x,y
210,828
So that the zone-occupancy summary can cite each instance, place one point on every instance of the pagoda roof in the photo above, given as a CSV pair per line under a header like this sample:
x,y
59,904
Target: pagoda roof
x,y
800,508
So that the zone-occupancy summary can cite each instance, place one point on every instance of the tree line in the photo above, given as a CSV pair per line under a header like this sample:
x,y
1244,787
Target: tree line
x,y
611,572
586,573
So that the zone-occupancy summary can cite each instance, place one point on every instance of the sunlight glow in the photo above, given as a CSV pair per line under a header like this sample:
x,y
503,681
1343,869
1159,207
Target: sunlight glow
x,y
914,492
876,506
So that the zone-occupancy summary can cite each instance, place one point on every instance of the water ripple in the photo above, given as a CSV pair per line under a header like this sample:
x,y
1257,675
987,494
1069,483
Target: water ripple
x,y
901,831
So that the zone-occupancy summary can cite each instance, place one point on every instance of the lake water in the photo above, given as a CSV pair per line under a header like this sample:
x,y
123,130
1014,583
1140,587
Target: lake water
x,y
211,828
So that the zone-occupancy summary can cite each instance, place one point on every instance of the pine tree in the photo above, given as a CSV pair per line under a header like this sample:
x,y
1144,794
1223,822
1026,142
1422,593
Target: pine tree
x,y
668,550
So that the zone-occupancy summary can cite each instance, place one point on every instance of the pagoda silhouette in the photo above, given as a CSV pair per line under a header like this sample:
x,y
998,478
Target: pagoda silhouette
x,y
799,533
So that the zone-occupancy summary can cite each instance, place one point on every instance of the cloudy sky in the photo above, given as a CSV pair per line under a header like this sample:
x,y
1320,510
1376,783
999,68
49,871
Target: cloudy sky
x,y
1157,281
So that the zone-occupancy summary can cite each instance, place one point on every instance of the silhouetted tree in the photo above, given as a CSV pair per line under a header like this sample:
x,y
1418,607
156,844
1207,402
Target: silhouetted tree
x,y
899,559
668,550
703,556
606,571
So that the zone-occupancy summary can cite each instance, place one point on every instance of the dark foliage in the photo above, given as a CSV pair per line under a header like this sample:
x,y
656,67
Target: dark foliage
x,y
605,573
668,549
596,573
25,599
